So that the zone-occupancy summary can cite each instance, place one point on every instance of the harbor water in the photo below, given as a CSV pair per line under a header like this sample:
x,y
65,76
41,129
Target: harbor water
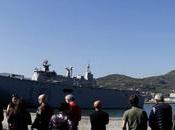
x,y
119,112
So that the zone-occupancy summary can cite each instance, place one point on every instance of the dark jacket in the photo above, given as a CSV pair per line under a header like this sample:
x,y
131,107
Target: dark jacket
x,y
20,120
43,116
98,120
160,117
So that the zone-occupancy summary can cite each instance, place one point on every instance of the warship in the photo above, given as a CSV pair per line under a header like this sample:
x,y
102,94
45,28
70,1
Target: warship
x,y
84,88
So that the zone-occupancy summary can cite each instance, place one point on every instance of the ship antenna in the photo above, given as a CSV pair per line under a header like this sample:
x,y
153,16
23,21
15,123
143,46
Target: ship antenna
x,y
46,65
68,72
71,71
88,68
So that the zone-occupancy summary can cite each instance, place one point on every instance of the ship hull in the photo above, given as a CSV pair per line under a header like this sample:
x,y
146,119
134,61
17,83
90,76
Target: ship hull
x,y
85,96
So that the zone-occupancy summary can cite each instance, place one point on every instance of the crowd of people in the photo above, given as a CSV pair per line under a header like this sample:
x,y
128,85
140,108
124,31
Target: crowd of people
x,y
69,115
18,118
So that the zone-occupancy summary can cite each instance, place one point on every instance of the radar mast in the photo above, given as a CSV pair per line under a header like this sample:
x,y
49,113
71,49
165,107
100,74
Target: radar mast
x,y
46,66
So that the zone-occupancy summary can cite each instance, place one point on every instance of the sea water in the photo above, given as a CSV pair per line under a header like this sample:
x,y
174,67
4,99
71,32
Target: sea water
x,y
119,112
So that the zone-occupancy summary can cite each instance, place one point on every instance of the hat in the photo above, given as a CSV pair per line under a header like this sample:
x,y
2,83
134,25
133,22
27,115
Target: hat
x,y
159,96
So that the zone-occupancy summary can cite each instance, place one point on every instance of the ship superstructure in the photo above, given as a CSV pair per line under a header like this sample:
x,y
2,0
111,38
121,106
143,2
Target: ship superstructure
x,y
45,75
56,87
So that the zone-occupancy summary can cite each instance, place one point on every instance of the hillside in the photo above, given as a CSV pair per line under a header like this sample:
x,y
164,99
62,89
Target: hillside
x,y
164,83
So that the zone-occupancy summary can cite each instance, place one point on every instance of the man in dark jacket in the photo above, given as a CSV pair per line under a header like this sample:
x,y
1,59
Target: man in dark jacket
x,y
160,117
99,118
43,114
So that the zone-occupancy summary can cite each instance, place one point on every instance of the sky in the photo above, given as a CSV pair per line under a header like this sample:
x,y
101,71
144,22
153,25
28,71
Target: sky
x,y
130,37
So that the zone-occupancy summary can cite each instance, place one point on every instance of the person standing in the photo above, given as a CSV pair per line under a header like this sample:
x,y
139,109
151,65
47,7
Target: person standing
x,y
61,121
135,117
99,118
11,110
160,117
21,118
75,111
43,114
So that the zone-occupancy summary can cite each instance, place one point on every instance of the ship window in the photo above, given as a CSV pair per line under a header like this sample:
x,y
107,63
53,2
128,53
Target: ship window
x,y
67,90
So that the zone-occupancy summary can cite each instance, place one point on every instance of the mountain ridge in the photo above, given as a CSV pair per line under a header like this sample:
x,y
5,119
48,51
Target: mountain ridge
x,y
163,83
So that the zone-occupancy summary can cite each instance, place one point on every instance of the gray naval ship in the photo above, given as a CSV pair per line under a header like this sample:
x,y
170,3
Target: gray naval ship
x,y
84,88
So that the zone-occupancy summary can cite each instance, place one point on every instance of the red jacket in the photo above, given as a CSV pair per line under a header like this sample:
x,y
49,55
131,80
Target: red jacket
x,y
75,113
